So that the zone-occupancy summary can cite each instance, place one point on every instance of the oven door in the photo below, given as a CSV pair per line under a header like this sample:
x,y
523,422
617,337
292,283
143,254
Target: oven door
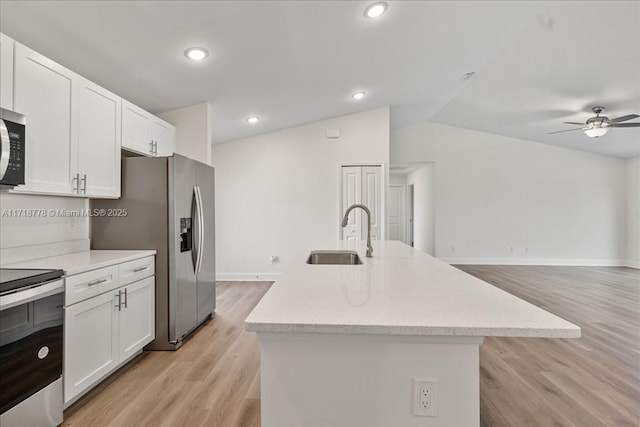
x,y
31,354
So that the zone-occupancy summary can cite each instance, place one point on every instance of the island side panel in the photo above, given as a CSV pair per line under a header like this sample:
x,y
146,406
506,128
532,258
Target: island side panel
x,y
366,380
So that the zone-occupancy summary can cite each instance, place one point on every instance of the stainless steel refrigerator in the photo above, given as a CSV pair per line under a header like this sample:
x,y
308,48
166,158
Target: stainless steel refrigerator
x,y
169,205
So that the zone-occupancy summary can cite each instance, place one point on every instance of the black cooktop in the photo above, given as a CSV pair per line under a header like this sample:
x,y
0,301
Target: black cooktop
x,y
13,279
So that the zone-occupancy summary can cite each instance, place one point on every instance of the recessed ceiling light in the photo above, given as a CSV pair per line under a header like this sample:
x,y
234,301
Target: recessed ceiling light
x,y
253,119
196,53
358,95
375,9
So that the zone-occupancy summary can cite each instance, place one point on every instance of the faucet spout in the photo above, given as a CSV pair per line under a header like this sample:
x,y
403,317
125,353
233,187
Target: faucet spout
x,y
345,219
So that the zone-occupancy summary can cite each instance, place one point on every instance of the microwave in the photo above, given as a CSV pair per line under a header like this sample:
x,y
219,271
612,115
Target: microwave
x,y
12,148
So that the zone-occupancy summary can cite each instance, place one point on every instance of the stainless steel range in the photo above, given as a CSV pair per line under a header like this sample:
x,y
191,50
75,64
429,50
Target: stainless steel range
x,y
31,314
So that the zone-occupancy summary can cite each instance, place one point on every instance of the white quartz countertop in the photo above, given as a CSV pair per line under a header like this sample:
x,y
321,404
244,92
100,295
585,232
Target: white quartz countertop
x,y
80,262
399,291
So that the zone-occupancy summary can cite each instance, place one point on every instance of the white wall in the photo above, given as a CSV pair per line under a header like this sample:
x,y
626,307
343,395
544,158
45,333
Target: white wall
x,y
193,130
279,191
492,193
633,212
397,179
422,180
23,230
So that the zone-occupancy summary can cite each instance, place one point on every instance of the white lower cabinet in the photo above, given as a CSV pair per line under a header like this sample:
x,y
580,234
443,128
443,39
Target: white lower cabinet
x,y
137,325
102,332
91,342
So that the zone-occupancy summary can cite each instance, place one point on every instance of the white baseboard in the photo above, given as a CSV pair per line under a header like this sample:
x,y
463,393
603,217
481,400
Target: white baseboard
x,y
539,261
632,264
247,277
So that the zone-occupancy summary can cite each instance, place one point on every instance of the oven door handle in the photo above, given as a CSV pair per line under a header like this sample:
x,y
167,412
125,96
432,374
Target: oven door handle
x,y
5,148
32,294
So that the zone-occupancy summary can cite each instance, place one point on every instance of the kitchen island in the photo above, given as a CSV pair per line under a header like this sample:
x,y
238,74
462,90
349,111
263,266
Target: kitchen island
x,y
344,344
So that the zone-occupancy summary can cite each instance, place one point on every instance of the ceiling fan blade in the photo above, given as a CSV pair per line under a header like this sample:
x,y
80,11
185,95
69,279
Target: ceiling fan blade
x,y
567,130
624,118
574,123
624,125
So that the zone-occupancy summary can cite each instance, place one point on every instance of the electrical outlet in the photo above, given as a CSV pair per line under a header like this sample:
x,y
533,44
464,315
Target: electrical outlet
x,y
425,393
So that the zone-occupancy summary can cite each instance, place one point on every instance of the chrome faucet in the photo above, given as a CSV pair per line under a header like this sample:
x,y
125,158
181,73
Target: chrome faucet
x,y
346,218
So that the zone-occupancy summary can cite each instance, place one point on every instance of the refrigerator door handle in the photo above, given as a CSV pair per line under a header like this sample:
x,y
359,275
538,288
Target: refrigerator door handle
x,y
196,244
200,229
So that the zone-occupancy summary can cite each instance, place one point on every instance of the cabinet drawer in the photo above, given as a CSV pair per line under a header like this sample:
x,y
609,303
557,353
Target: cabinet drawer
x,y
86,285
137,269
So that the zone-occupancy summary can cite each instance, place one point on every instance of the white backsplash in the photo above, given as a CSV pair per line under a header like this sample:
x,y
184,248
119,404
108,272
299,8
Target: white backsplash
x,y
39,226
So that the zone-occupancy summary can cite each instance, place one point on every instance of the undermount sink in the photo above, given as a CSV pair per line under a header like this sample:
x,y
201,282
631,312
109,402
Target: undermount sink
x,y
334,257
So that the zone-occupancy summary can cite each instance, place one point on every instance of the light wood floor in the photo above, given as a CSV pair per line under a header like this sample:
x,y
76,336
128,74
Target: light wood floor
x,y
593,381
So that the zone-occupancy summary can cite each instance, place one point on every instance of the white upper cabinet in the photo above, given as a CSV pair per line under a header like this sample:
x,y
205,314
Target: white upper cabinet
x,y
136,132
163,135
73,129
145,133
6,72
44,92
99,137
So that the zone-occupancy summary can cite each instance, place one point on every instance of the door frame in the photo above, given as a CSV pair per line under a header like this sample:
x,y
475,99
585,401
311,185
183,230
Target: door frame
x,y
383,196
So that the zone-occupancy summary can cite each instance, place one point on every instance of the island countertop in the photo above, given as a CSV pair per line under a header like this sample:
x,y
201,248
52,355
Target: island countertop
x,y
398,291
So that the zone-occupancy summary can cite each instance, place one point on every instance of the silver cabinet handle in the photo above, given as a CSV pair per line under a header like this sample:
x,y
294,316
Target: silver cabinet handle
x,y
139,269
125,297
84,184
151,143
119,304
155,148
76,185
96,282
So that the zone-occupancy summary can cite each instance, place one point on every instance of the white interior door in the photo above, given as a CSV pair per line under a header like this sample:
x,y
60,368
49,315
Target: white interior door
x,y
397,213
351,194
362,185
371,198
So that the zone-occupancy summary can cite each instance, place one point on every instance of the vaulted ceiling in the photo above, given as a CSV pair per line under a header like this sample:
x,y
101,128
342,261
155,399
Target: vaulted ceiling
x,y
537,64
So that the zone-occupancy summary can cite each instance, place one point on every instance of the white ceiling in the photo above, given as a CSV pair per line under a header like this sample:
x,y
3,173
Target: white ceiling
x,y
537,63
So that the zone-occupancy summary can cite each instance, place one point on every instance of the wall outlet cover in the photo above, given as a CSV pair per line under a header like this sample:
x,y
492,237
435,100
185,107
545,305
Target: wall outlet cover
x,y
425,397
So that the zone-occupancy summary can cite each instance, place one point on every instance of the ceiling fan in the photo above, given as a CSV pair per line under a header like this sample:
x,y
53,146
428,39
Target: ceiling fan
x,y
599,125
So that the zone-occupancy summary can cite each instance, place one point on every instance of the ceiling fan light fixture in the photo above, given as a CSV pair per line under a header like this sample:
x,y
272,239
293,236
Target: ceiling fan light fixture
x,y
596,131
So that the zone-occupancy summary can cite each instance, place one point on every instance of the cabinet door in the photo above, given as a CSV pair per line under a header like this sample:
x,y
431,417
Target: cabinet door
x,y
136,126
164,136
137,319
6,72
90,342
44,91
99,137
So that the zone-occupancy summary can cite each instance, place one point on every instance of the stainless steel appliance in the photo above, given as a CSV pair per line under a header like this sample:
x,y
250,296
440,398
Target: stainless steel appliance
x,y
12,148
31,317
167,204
